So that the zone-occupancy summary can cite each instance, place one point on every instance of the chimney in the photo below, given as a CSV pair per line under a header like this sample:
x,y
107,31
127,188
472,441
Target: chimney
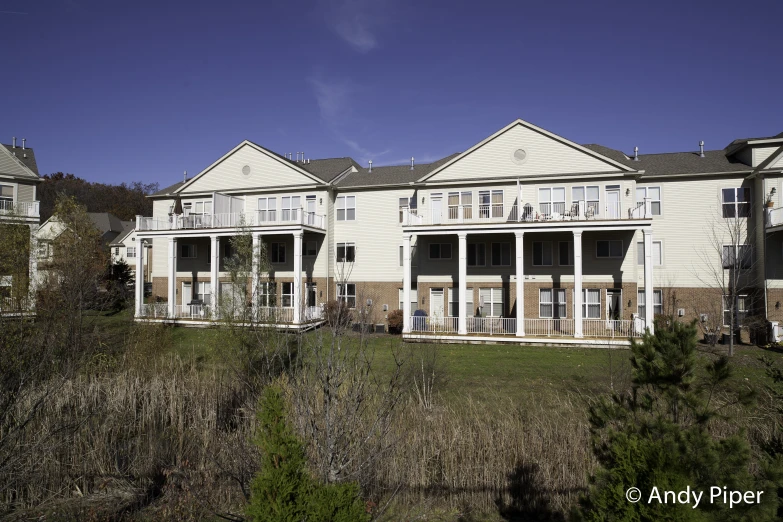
x,y
23,140
411,162
14,141
701,149
636,153
370,165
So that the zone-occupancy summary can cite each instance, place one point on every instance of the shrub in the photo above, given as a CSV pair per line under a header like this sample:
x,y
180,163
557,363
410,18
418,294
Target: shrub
x,y
395,321
338,314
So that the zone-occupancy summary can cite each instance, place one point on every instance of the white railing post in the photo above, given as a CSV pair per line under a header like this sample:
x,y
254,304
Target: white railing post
x,y
406,283
647,208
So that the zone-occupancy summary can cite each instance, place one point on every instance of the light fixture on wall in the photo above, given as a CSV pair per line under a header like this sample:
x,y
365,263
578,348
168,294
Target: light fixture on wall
x,y
320,201
627,192
422,200
630,303
777,305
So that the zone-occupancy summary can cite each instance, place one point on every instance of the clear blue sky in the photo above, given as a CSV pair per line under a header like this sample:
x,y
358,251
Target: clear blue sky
x,y
140,91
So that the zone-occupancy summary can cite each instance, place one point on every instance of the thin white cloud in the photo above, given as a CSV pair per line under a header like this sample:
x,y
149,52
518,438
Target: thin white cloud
x,y
332,98
355,21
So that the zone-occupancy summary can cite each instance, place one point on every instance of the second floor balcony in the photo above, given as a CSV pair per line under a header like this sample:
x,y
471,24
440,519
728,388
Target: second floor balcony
x,y
25,209
774,217
259,218
530,213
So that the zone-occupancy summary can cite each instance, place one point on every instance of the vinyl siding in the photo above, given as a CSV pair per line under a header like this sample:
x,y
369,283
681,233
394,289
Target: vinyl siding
x,y
762,153
25,192
544,156
776,163
265,171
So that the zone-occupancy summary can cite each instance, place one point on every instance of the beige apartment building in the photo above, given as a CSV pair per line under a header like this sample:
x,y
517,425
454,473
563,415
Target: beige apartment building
x,y
524,237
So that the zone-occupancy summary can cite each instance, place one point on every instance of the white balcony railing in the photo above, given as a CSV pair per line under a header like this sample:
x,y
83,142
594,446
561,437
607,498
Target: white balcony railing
x,y
434,324
528,212
234,220
549,327
492,325
20,208
774,217
623,328
591,328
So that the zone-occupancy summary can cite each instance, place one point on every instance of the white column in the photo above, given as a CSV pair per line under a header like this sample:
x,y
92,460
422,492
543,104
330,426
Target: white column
x,y
32,283
172,276
462,321
406,283
649,312
297,277
520,260
578,283
139,275
214,270
254,278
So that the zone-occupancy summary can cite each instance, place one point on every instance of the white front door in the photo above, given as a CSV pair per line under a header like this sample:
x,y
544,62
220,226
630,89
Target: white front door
x,y
613,203
437,209
187,293
614,304
436,302
310,209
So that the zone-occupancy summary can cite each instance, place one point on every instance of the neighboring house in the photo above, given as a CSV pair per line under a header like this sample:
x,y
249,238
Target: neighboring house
x,y
109,226
124,246
525,236
18,207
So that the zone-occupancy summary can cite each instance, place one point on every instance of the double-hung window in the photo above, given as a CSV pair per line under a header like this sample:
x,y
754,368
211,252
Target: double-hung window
x,y
346,252
267,210
346,208
288,295
290,208
651,193
346,293
737,256
609,248
657,303
440,250
267,293
657,253
406,205
551,200
552,303
492,299
6,197
591,303
501,254
414,299
454,302
741,309
461,205
477,254
490,204
542,253
736,202
590,194
277,253
565,251
130,252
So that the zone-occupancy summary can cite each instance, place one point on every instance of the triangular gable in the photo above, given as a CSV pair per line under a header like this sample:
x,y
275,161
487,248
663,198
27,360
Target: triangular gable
x,y
10,164
776,159
264,169
544,153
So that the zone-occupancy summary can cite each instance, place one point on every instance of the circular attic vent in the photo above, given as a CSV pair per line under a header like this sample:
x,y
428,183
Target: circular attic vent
x,y
246,170
519,156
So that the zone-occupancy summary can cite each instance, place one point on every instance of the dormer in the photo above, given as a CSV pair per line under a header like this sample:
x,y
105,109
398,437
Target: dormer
x,y
755,151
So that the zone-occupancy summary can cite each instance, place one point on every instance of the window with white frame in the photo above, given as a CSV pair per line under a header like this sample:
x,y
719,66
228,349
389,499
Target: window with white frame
x,y
346,293
454,302
736,202
609,248
477,254
267,293
737,256
657,303
591,303
267,210
346,252
130,252
277,253
202,291
741,309
43,250
414,299
552,303
440,251
590,194
346,208
490,203
565,251
117,251
493,302
542,253
461,205
657,253
551,200
310,248
188,251
653,194
6,197
290,207
287,295
501,254
407,205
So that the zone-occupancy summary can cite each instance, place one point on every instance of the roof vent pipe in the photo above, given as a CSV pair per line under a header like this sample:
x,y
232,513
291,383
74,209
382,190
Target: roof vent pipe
x,y
23,142
185,177
701,149
370,165
636,153
411,162
14,141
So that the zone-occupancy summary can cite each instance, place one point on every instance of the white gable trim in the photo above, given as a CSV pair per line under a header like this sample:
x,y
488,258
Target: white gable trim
x,y
24,168
585,150
260,149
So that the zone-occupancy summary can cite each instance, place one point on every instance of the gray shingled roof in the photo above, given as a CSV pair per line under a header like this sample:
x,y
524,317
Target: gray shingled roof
x,y
168,190
26,156
128,231
745,140
714,161
392,175
328,169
